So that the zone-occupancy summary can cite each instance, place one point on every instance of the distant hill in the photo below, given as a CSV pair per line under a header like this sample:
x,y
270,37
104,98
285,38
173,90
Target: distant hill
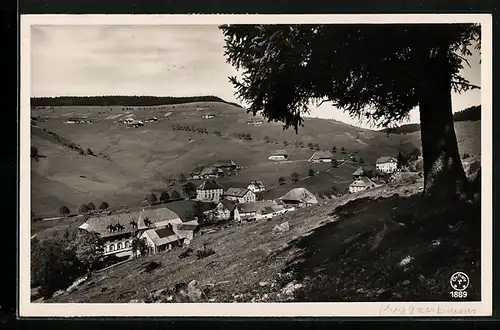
x,y
469,114
113,100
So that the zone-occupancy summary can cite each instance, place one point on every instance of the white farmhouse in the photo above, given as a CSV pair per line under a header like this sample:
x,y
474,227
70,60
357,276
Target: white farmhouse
x,y
240,195
321,157
209,191
256,186
279,155
360,184
387,164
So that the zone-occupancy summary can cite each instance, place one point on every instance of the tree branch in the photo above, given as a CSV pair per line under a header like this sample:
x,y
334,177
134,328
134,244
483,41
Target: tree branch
x,y
464,59
323,101
465,84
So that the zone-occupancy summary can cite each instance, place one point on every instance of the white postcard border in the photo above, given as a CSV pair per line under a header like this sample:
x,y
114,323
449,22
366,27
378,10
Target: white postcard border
x,y
352,309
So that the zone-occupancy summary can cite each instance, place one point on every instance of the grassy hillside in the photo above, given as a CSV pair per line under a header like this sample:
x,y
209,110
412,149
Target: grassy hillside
x,y
131,162
327,255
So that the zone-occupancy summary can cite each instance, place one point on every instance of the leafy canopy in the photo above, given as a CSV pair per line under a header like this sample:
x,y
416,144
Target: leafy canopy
x,y
372,71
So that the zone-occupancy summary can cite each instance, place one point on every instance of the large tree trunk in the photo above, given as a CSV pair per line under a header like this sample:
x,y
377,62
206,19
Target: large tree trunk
x,y
444,176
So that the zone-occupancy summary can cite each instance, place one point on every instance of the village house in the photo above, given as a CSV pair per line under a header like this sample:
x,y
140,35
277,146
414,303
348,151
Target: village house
x,y
258,210
368,172
209,173
387,164
170,236
118,229
196,172
162,239
240,195
135,123
208,116
256,186
150,120
209,191
256,122
279,155
78,120
225,165
360,184
321,157
223,211
299,197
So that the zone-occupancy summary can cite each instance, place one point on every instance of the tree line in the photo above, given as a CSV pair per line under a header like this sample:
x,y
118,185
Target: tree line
x,y
113,100
469,114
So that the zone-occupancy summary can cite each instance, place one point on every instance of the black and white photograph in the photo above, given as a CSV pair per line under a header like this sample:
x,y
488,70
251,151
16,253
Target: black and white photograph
x,y
240,163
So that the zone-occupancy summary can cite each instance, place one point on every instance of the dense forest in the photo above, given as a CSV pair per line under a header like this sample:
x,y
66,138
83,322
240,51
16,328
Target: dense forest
x,y
469,114
122,100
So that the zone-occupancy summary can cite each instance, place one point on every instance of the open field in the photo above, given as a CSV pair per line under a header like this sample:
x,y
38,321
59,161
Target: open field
x,y
325,244
134,161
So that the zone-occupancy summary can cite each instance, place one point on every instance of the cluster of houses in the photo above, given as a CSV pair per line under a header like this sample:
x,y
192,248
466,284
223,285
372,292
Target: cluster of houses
x,y
208,116
366,177
215,170
162,229
242,203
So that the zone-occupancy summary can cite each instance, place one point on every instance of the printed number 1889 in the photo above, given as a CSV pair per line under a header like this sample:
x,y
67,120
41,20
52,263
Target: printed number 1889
x,y
458,294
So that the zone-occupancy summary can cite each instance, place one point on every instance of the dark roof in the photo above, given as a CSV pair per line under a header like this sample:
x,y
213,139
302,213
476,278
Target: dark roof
x,y
322,155
362,182
224,163
386,159
228,204
237,192
280,153
267,210
164,232
208,171
197,170
210,185
100,223
189,227
300,195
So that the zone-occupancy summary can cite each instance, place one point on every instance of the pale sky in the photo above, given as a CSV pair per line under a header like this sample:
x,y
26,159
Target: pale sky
x,y
157,60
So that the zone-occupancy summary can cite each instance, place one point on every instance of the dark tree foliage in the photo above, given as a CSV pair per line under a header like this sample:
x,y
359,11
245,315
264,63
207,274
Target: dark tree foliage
x,y
379,72
54,265
281,180
104,206
182,178
295,176
469,114
83,209
91,206
64,210
175,195
164,197
34,153
151,198
311,172
122,100
189,189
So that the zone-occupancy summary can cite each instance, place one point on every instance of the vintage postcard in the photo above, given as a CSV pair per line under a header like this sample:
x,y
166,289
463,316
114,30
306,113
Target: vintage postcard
x,y
255,165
